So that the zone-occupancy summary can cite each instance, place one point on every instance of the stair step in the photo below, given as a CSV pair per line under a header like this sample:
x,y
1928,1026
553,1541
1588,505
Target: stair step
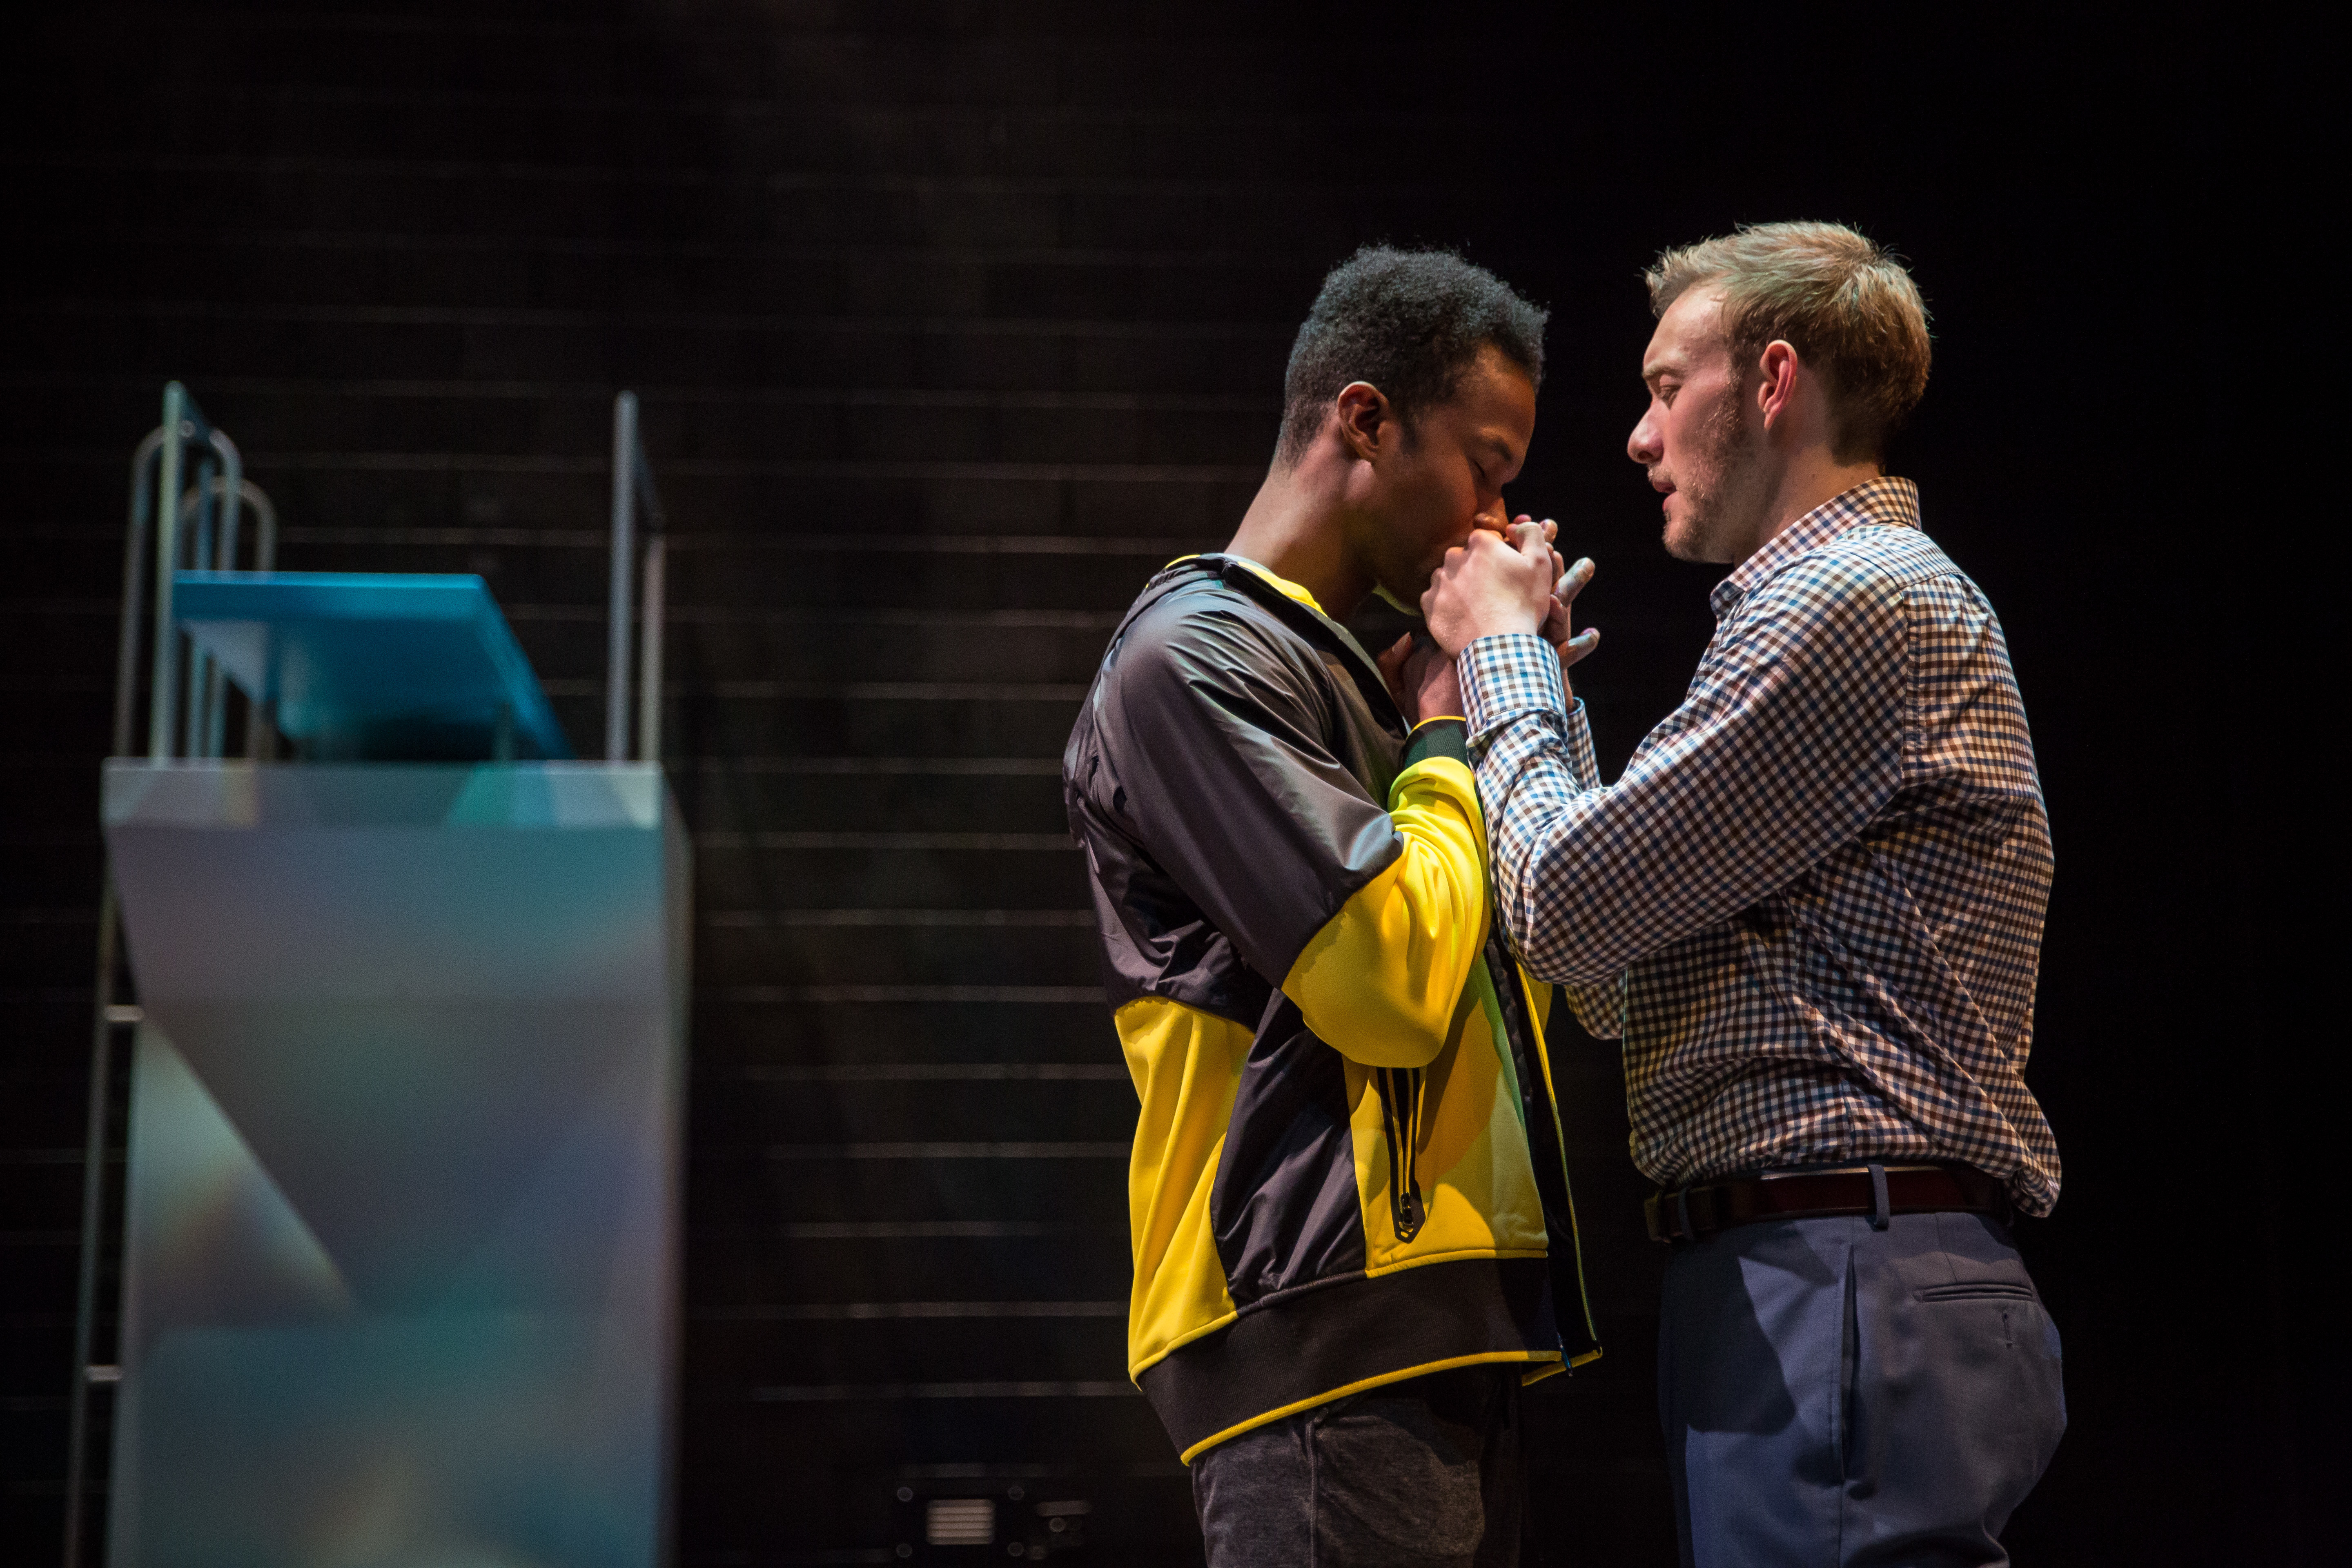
x,y
1175,65
1276,217
696,437
761,1108
1042,871
725,799
781,955
1092,1266
734,1031
355,268
192,340
429,122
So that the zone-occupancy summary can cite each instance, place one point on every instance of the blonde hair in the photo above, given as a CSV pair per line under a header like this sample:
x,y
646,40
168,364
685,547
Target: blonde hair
x,y
1843,302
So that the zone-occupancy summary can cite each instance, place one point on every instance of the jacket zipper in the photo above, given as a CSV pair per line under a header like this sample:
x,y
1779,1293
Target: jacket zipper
x,y
1400,1118
1543,1127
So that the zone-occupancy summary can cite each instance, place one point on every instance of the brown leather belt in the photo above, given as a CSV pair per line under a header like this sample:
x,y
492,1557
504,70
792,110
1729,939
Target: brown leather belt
x,y
1881,1192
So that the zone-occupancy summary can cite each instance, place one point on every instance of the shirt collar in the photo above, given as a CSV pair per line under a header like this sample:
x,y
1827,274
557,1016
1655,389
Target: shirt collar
x,y
1885,502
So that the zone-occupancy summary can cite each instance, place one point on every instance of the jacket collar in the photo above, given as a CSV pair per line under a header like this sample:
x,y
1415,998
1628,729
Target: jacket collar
x,y
1298,612
1885,502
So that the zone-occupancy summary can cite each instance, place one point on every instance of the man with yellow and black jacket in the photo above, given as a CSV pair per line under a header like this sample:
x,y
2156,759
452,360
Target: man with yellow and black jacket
x,y
1351,1229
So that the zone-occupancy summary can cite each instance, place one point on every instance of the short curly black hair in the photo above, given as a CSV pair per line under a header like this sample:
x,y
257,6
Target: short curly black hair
x,y
1408,321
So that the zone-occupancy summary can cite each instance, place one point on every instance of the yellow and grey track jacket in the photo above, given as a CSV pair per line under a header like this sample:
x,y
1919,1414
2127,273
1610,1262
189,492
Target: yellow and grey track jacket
x,y
1348,1166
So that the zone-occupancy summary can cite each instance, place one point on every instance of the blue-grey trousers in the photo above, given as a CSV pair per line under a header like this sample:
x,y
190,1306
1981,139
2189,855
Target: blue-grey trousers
x,y
1838,1394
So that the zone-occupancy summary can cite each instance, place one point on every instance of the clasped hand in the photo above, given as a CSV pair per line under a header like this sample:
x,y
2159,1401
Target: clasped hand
x,y
1491,585
1499,583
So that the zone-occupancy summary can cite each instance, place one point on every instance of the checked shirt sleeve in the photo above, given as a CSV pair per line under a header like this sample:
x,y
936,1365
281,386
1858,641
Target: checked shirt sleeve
x,y
1532,746
1789,739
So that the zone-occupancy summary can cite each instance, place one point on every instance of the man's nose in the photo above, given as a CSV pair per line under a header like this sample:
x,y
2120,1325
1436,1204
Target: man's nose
x,y
1641,445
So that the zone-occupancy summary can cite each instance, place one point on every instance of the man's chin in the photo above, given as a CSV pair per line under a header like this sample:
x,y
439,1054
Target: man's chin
x,y
1685,543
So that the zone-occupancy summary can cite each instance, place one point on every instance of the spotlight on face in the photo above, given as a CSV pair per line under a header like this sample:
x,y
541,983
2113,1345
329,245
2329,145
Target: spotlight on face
x,y
1699,439
1445,476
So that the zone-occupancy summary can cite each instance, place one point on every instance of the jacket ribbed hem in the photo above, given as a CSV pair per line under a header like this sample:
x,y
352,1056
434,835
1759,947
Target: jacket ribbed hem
x,y
1316,1343
1437,738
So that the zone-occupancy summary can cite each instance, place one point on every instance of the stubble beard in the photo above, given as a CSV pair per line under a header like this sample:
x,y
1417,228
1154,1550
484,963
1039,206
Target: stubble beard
x,y
1722,489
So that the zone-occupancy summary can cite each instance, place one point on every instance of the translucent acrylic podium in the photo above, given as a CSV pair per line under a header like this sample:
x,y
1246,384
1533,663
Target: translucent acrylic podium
x,y
400,1253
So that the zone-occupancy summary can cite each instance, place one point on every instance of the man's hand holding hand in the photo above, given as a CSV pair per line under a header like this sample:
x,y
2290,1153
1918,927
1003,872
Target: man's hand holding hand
x,y
1487,587
1422,679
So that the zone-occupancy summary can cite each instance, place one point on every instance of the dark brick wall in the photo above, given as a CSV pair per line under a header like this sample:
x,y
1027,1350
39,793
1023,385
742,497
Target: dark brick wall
x,y
951,319
950,326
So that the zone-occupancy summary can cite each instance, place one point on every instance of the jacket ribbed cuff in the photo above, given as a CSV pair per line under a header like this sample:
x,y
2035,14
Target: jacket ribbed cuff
x,y
1437,738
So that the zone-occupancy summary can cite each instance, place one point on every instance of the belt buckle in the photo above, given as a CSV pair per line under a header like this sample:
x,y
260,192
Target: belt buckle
x,y
1668,1226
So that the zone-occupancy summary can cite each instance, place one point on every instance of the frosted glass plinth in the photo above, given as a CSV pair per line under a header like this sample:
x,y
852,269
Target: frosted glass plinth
x,y
401,1248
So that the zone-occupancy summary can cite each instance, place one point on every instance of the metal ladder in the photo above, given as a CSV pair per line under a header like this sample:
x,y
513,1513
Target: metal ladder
x,y
198,522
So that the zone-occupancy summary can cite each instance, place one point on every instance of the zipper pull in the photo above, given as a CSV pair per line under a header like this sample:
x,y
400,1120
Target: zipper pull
x,y
1409,1213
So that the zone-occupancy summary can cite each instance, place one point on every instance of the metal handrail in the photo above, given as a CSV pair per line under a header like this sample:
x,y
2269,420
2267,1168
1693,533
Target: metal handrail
x,y
156,465
261,714
226,485
633,486
219,478
208,712
184,425
649,648
126,674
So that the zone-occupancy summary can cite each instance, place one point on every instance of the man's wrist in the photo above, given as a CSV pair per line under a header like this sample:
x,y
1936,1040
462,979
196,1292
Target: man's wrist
x,y
1441,695
1504,624
1472,635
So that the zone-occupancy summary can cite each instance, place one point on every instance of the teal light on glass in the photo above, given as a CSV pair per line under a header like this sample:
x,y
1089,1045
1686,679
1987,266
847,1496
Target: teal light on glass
x,y
373,665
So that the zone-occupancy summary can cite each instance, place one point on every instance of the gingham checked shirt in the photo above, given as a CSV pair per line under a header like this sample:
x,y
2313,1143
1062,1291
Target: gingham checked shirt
x,y
1812,906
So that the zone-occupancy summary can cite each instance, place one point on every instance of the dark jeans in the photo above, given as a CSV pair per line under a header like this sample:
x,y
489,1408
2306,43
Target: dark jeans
x,y
1420,1474
1837,1395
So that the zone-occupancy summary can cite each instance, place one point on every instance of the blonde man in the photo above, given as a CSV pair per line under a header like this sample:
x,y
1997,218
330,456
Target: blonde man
x,y
1811,910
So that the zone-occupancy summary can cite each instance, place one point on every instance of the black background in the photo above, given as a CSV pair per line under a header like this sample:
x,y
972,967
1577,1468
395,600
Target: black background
x,y
2131,289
